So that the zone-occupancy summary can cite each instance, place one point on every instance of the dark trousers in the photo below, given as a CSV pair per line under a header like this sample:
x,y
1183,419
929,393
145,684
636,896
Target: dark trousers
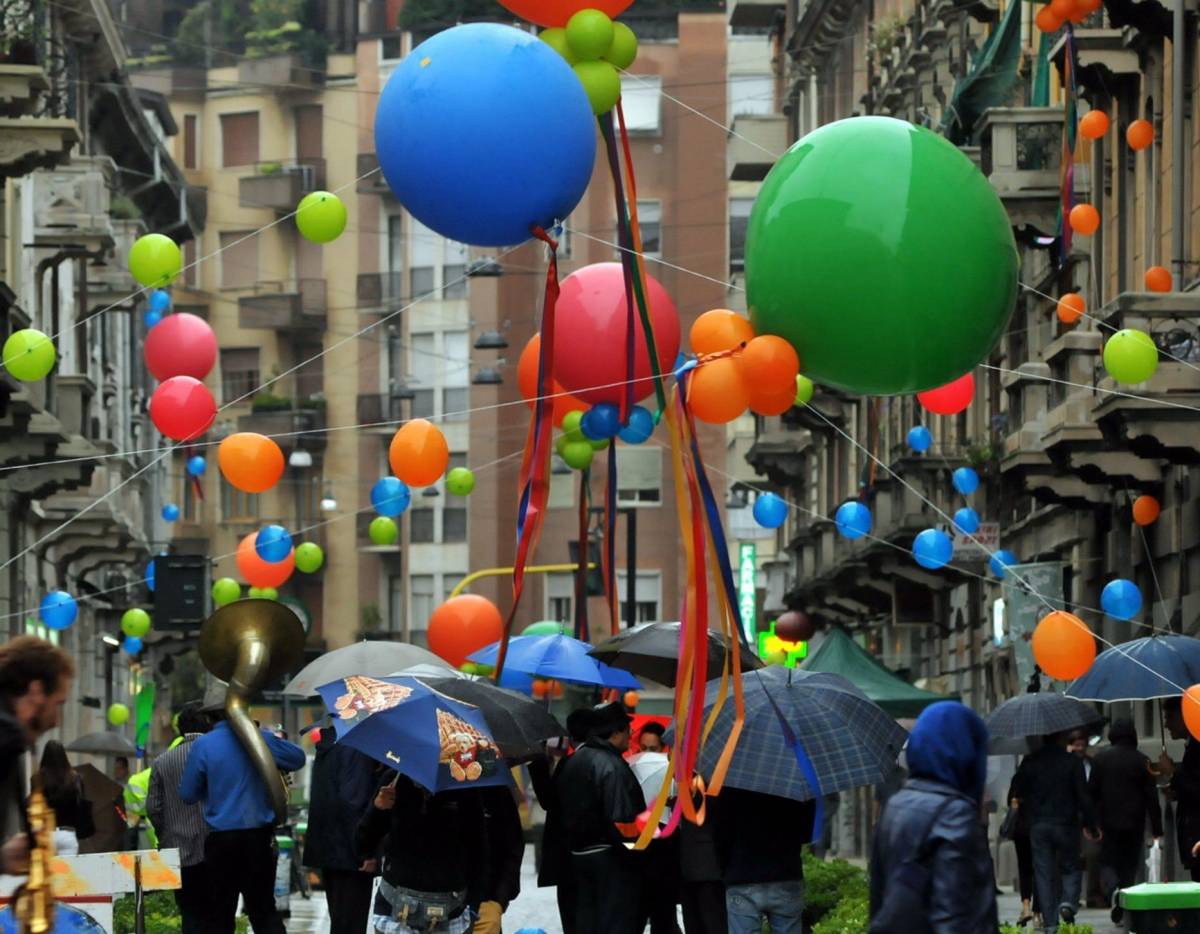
x,y
704,907
1121,855
348,895
194,899
607,893
565,895
1024,865
242,862
657,867
1056,871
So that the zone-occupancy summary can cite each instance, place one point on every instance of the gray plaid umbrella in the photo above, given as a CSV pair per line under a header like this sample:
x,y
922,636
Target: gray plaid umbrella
x,y
850,741
1041,714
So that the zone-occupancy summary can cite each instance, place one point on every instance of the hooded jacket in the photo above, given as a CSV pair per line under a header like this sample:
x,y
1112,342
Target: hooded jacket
x,y
1121,786
934,821
343,784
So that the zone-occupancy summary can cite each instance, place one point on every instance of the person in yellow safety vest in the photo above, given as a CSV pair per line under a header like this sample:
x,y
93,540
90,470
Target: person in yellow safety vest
x,y
135,806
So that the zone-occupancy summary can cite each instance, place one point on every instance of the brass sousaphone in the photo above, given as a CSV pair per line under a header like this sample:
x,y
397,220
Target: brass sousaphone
x,y
250,643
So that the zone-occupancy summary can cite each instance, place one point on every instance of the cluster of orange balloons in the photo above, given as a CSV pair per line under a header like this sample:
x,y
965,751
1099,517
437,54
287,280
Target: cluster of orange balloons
x,y
1051,17
542,687
419,454
527,383
1063,646
758,373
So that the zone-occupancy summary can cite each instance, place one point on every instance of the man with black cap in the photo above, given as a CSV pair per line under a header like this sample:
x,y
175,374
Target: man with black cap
x,y
597,793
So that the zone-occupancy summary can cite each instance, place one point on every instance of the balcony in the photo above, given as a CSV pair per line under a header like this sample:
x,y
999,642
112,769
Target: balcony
x,y
20,88
373,184
280,186
283,423
755,14
284,73
172,80
285,306
760,140
71,204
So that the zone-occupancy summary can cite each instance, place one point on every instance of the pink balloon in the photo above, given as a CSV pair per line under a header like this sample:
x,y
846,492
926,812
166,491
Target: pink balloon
x,y
950,399
181,345
182,408
589,335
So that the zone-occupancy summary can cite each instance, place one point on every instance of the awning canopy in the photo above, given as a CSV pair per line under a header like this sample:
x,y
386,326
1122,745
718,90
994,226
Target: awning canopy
x,y
992,80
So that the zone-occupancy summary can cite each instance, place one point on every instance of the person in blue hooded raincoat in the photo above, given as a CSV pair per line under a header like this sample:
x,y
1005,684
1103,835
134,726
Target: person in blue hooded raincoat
x,y
931,870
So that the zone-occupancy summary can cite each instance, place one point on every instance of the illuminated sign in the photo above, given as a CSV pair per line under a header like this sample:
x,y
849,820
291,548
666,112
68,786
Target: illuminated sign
x,y
747,587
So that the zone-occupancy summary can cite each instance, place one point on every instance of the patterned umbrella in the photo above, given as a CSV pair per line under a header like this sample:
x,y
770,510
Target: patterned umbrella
x,y
848,739
1040,714
520,724
1144,669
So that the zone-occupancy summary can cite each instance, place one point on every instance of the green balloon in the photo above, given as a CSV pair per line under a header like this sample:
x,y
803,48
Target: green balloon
x,y
577,454
460,481
135,622
255,593
804,390
383,531
155,259
118,714
570,425
226,590
556,38
28,355
268,593
624,47
309,557
547,627
589,34
598,444
320,217
602,84
1130,356
879,194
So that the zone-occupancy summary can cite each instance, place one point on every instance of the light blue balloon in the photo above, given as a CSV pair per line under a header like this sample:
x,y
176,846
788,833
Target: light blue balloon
x,y
151,317
150,584
933,549
1121,599
601,422
639,427
160,301
58,609
170,512
1001,560
196,466
132,645
966,480
966,520
853,519
390,496
770,511
919,439
273,543
463,149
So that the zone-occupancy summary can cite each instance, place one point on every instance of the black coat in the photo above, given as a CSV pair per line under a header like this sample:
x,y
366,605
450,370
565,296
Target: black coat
x,y
596,789
343,784
1186,785
759,837
1054,789
501,879
554,866
13,818
1124,791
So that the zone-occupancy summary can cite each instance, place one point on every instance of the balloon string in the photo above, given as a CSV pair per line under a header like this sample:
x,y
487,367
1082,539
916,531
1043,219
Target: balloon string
x,y
610,546
581,569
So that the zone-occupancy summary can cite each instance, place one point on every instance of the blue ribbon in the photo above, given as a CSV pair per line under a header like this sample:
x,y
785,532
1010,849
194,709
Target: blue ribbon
x,y
806,767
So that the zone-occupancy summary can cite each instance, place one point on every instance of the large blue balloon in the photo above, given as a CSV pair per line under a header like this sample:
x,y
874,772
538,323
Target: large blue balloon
x,y
769,511
1121,599
933,549
390,496
1001,560
919,439
196,465
853,519
638,427
966,520
58,609
273,543
483,132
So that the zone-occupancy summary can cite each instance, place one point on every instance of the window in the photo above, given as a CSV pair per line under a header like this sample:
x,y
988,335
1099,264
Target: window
x,y
456,363
450,580
190,129
641,100
560,597
639,476
189,263
239,139
240,374
751,94
454,521
239,259
422,251
420,529
739,219
647,597
395,618
650,223
238,505
420,588
189,497
454,270
393,285
422,364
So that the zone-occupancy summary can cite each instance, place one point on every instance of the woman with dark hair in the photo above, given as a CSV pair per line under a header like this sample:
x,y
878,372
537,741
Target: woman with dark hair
x,y
63,790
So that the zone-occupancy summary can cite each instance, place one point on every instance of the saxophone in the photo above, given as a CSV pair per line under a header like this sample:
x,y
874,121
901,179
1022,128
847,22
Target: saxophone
x,y
34,901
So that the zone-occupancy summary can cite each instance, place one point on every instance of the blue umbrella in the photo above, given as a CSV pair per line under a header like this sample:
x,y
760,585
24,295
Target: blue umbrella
x,y
440,743
560,657
1144,669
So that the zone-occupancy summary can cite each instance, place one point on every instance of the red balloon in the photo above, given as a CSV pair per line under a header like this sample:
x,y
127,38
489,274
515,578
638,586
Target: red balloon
x,y
182,408
462,625
950,399
181,345
259,573
589,335
557,12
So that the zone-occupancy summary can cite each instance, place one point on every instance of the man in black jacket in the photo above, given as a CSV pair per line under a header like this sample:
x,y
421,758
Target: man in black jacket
x,y
597,791
501,881
1125,796
1185,785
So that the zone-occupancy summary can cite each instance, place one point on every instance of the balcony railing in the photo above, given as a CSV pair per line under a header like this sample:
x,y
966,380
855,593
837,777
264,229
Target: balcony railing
x,y
284,424
755,14
378,290
760,139
373,184
280,186
298,304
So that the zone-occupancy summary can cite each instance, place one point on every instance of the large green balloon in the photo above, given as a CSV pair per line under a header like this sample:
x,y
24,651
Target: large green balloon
x,y
155,259
1130,356
135,622
226,590
28,355
883,255
320,217
309,557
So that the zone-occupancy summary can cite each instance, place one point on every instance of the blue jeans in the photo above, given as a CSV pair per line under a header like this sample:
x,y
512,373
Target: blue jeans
x,y
1057,874
781,903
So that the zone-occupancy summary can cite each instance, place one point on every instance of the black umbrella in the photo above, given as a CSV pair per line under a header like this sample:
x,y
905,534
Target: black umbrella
x,y
519,724
652,651
1041,714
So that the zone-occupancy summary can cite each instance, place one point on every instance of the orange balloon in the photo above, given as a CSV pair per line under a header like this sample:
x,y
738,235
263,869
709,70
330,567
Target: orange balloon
x,y
527,372
1085,219
251,462
719,329
1191,710
1063,646
1158,279
1062,8
771,403
418,453
770,362
259,573
1094,123
716,392
1139,134
1047,20
1071,307
462,625
1145,510
557,12
631,698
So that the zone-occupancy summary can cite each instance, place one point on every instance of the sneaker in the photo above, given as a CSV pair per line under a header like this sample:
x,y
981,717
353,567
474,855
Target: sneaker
x,y
1117,914
1067,913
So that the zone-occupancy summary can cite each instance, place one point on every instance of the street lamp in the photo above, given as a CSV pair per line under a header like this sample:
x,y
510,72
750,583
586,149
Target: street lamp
x,y
328,503
300,459
491,340
487,376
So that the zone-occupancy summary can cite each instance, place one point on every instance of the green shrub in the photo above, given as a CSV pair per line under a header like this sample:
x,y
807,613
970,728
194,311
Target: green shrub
x,y
162,915
1062,929
828,882
850,916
